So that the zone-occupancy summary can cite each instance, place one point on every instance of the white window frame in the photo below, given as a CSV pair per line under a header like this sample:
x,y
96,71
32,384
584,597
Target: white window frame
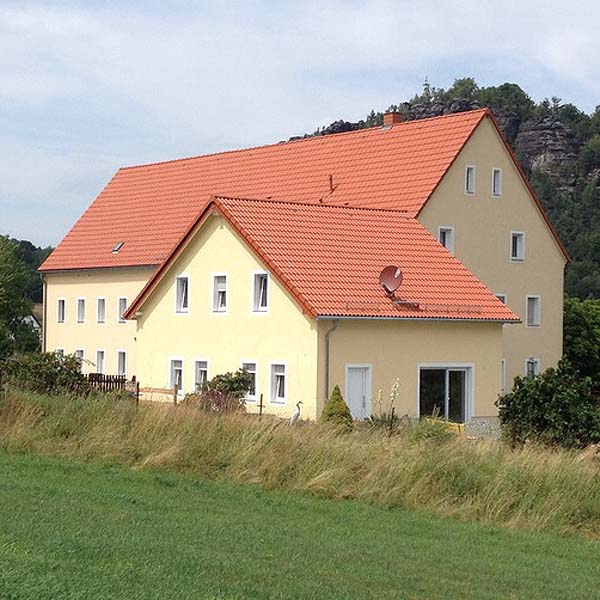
x,y
245,361
473,191
198,359
255,292
171,382
494,171
523,237
124,352
181,310
120,318
539,311
100,298
64,305
537,369
469,385
80,321
501,296
503,376
447,229
103,360
214,298
272,364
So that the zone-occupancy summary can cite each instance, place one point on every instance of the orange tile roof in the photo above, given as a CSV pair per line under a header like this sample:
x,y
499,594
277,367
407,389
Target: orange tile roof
x,y
330,258
149,207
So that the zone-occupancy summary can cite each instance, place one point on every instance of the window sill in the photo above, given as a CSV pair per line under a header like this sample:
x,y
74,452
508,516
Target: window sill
x,y
517,260
281,401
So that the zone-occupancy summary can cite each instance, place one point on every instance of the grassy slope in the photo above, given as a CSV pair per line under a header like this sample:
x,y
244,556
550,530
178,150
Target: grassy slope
x,y
69,530
534,488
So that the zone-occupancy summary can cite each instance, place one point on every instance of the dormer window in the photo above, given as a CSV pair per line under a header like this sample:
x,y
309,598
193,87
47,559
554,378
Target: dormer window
x,y
181,294
469,180
261,292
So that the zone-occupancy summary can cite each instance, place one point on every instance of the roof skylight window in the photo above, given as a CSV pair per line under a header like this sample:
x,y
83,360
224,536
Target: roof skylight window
x,y
117,247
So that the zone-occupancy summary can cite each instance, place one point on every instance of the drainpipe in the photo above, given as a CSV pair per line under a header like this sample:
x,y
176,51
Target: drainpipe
x,y
45,313
335,322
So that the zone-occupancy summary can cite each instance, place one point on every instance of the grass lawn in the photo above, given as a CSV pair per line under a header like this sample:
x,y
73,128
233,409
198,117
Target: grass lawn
x,y
70,530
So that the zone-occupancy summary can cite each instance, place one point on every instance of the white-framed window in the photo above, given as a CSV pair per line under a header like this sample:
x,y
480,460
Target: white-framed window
x,y
176,374
99,361
219,293
532,366
278,383
496,182
61,310
517,246
533,311
469,180
261,292
80,354
503,371
250,367
200,373
121,362
122,309
501,297
182,293
101,310
81,310
446,237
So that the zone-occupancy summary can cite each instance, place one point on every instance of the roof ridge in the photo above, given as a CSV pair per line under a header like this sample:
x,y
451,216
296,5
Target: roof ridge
x,y
303,139
403,213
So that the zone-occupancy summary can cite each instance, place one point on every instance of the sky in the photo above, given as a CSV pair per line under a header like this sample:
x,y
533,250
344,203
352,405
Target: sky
x,y
88,87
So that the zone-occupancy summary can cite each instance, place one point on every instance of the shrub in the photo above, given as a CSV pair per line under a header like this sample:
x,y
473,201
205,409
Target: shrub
x,y
223,393
235,384
216,401
45,372
556,408
336,411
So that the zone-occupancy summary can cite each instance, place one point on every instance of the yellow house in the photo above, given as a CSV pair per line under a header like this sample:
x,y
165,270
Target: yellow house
x,y
452,175
302,308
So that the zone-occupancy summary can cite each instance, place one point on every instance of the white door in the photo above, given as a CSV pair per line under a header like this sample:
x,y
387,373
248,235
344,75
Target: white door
x,y
358,390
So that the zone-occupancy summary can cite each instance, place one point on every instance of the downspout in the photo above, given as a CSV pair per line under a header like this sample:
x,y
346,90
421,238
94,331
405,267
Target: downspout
x,y
45,313
335,322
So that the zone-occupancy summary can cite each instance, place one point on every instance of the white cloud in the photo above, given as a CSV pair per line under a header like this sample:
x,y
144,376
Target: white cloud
x,y
134,83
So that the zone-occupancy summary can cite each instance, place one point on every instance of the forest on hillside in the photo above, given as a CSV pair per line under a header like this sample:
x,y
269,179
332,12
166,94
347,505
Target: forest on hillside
x,y
558,146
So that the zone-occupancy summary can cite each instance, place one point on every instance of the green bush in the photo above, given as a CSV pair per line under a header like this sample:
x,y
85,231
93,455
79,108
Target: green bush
x,y
336,411
45,372
223,393
555,408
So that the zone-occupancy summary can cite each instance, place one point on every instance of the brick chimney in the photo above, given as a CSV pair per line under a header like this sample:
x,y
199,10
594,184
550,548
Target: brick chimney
x,y
391,118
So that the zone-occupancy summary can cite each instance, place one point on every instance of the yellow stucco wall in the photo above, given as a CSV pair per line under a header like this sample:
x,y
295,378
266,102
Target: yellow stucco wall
x,y
482,227
395,349
281,335
90,336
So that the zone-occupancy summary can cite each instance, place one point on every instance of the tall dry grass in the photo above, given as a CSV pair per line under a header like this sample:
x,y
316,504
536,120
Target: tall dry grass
x,y
532,488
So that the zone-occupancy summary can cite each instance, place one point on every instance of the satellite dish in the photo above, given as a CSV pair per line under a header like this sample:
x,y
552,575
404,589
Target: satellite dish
x,y
390,279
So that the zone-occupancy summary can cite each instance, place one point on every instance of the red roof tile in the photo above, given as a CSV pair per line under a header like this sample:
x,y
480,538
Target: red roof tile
x,y
330,258
149,207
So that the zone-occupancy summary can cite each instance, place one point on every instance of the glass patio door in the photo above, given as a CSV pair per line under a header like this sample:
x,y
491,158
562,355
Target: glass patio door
x,y
443,393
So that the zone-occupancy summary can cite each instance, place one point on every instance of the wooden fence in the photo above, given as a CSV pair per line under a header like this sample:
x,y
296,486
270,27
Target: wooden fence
x,y
111,383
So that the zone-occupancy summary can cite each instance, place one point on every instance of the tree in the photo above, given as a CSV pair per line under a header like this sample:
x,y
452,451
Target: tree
x,y
555,408
336,411
16,335
581,331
